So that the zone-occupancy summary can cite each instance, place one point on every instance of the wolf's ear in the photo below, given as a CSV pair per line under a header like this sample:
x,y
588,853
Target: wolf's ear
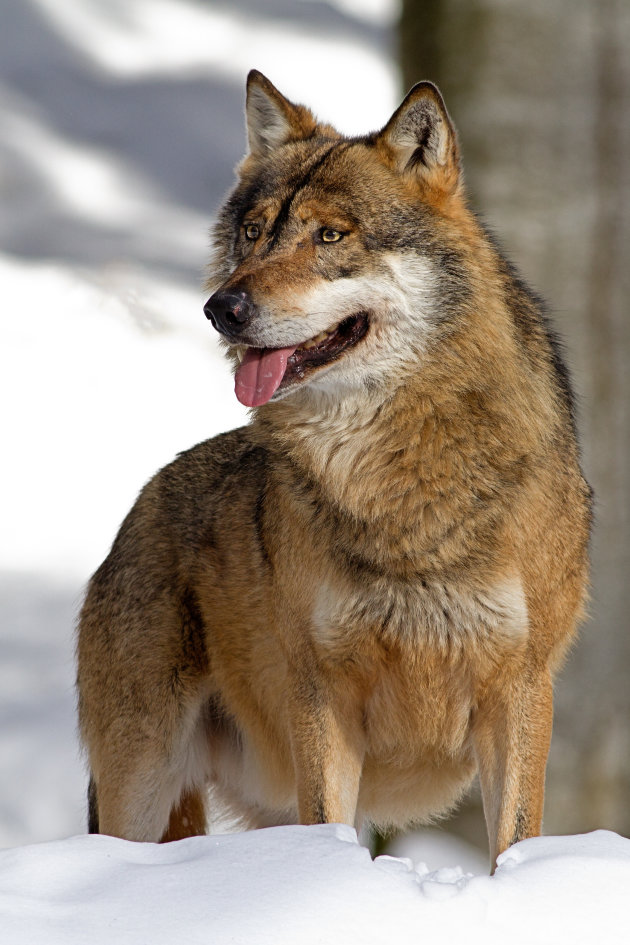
x,y
421,141
272,119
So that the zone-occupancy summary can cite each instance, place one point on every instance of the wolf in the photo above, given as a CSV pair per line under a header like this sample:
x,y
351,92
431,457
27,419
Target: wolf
x,y
344,610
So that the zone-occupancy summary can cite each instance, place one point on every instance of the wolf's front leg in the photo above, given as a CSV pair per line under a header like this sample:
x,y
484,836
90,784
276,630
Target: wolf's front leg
x,y
511,734
328,746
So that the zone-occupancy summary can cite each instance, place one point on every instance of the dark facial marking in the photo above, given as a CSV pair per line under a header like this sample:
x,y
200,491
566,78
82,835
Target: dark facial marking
x,y
299,185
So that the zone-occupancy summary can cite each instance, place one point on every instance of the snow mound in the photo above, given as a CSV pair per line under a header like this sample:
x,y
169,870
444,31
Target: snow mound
x,y
303,885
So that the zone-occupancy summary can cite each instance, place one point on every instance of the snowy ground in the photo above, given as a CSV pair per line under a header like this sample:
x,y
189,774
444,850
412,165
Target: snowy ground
x,y
121,121
308,886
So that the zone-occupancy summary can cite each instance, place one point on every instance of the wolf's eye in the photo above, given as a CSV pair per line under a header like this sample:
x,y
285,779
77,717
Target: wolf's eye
x,y
252,231
329,235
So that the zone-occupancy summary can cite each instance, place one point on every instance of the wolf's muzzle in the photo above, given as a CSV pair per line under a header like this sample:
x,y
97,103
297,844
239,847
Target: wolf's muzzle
x,y
229,311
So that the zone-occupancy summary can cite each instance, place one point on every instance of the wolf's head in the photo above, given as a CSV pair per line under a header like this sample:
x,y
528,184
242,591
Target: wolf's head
x,y
335,263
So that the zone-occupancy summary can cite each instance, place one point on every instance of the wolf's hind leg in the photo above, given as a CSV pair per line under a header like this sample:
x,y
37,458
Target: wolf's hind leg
x,y
142,681
188,817
136,805
148,778
147,800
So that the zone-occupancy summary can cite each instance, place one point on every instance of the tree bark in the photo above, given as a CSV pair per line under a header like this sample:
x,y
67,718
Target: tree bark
x,y
540,94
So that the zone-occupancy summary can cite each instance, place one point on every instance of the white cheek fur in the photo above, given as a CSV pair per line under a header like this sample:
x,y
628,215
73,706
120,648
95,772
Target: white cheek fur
x,y
399,295
401,303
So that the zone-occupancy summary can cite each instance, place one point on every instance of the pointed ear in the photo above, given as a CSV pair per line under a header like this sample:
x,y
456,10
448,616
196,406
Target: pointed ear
x,y
421,142
272,119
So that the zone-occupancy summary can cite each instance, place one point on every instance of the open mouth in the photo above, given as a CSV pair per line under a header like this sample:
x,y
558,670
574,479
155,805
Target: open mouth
x,y
263,371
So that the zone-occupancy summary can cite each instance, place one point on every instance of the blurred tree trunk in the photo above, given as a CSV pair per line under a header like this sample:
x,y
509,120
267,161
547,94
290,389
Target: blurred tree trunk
x,y
540,93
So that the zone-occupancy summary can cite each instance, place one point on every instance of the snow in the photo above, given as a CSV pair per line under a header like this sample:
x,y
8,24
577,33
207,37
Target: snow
x,y
438,848
309,885
121,121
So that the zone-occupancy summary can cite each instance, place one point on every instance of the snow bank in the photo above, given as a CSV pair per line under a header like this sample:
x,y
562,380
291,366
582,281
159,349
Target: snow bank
x,y
303,885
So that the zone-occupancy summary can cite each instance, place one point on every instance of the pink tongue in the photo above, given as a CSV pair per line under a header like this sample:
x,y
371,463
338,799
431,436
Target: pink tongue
x,y
260,373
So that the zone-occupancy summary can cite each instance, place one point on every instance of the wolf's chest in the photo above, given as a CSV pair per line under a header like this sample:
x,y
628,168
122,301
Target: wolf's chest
x,y
447,617
417,654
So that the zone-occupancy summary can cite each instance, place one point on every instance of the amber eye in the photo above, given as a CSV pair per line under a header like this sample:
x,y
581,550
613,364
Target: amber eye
x,y
252,231
329,235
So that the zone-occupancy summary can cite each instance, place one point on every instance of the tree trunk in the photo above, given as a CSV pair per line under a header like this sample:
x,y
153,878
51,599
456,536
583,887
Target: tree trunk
x,y
540,94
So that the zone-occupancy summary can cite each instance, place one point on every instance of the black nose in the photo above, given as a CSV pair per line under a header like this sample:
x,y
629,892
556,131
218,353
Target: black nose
x,y
229,311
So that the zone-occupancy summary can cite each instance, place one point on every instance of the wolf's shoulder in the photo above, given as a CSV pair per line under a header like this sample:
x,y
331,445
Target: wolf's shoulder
x,y
185,500
213,462
224,449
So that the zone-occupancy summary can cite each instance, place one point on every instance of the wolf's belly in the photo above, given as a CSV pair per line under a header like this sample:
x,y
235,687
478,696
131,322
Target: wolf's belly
x,y
394,796
418,713
392,793
419,755
418,758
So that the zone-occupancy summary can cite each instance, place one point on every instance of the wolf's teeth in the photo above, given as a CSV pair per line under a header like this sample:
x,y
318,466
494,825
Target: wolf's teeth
x,y
323,335
239,354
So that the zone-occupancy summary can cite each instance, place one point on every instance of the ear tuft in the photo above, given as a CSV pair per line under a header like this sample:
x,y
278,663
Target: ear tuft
x,y
272,120
422,141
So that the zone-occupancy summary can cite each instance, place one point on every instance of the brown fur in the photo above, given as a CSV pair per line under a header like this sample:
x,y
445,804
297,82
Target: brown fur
x,y
345,609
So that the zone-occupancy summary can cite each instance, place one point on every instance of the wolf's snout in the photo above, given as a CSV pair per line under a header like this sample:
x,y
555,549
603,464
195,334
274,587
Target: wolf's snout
x,y
230,311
